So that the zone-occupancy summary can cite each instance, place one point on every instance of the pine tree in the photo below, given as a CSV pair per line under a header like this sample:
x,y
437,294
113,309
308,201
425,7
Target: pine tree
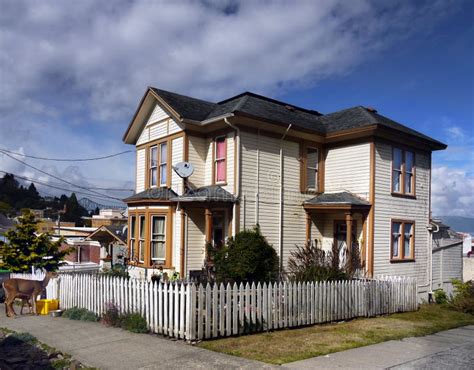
x,y
25,249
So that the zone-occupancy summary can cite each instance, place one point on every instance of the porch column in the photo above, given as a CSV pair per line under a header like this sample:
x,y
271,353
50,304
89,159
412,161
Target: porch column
x,y
308,226
208,222
349,220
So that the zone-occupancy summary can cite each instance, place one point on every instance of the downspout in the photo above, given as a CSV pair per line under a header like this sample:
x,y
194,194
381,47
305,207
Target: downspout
x,y
239,166
257,194
429,273
280,231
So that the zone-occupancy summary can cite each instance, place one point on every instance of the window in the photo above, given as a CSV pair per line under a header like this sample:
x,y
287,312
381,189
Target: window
x,y
153,166
141,238
402,245
158,238
403,172
312,159
218,234
220,159
163,163
132,238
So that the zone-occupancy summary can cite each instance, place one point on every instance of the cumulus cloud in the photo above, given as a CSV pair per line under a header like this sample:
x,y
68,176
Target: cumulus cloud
x,y
452,192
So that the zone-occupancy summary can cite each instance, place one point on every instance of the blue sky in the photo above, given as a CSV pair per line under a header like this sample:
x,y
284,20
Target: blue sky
x,y
71,74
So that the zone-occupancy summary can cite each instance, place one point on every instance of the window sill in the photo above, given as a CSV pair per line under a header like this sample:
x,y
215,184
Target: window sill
x,y
311,192
401,195
395,260
221,183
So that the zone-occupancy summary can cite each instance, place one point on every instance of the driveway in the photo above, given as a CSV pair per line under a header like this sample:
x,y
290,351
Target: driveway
x,y
101,347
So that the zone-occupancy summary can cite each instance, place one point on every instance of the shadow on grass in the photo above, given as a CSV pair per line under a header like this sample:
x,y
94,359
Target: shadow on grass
x,y
19,351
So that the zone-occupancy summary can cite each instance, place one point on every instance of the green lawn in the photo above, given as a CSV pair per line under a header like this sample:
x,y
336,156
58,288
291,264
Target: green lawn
x,y
297,344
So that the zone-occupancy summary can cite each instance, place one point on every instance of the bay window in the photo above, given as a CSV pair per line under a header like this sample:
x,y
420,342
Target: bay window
x,y
141,239
131,245
153,166
163,163
158,238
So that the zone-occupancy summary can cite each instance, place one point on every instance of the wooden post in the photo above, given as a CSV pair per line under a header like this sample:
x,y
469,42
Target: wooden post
x,y
349,234
208,220
308,226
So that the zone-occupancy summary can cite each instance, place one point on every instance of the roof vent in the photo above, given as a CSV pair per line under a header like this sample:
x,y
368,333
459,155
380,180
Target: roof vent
x,y
371,109
290,108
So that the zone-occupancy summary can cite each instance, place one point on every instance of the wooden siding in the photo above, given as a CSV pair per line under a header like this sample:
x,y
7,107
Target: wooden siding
x,y
176,157
348,169
158,125
388,207
195,239
447,265
177,241
198,148
140,170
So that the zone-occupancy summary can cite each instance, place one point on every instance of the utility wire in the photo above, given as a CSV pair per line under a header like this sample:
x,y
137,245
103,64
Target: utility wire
x,y
58,178
65,159
37,182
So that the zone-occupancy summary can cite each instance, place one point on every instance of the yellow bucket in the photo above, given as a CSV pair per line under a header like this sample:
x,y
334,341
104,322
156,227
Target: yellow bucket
x,y
43,306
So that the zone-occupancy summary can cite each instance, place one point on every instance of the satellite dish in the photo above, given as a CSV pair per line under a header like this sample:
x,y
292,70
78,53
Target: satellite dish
x,y
184,169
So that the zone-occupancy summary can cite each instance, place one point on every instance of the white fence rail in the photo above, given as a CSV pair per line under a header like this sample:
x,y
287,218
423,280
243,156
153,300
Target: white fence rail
x,y
52,289
193,312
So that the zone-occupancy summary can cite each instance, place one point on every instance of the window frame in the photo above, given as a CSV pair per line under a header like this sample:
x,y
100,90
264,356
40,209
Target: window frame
x,y
151,167
160,163
403,173
304,146
216,160
141,242
132,236
153,259
148,149
401,244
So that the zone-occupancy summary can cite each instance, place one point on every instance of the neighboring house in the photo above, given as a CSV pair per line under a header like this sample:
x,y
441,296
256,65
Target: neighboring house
x,y
46,225
113,242
105,217
353,176
447,257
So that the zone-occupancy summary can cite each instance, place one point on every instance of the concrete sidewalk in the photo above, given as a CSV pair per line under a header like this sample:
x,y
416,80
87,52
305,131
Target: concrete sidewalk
x,y
98,346
453,349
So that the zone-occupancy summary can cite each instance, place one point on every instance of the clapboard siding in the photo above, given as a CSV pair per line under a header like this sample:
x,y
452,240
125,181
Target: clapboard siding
x,y
230,163
197,155
389,207
195,239
447,265
176,157
158,125
140,170
348,169
177,241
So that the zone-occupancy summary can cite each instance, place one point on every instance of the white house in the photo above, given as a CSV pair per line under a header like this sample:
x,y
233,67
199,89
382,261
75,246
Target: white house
x,y
353,177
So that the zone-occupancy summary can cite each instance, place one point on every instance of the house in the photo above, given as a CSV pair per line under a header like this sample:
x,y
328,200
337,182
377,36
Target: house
x,y
447,258
105,217
353,177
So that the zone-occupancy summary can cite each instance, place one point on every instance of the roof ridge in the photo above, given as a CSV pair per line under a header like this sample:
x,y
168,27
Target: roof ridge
x,y
181,95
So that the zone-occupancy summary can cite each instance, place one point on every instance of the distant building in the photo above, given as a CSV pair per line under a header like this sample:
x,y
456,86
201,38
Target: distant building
x,y
108,217
46,225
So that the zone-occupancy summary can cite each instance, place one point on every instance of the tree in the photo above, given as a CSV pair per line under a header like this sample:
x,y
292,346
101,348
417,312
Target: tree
x,y
74,211
26,249
247,257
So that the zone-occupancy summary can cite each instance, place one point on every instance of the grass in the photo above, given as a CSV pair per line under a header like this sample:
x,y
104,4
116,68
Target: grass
x,y
290,345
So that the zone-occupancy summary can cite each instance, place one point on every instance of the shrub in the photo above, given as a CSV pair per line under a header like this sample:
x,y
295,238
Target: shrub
x,y
440,296
15,339
134,322
116,271
463,297
111,316
247,257
311,263
82,314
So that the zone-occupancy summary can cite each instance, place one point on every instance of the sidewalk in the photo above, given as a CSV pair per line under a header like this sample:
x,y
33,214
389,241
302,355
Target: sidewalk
x,y
451,349
101,347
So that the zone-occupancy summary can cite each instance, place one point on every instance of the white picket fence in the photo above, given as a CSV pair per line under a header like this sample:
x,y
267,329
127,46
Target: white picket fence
x,y
52,289
187,311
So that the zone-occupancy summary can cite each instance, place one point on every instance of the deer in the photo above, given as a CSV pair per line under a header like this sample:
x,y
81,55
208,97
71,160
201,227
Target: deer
x,y
24,289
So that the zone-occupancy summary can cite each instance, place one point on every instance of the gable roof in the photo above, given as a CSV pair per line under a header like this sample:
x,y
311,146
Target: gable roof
x,y
264,108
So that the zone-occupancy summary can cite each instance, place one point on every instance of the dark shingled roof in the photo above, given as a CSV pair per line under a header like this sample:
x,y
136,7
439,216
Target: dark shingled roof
x,y
212,193
153,193
276,111
337,198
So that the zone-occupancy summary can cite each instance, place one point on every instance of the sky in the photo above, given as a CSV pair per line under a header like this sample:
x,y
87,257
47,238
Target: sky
x,y
72,74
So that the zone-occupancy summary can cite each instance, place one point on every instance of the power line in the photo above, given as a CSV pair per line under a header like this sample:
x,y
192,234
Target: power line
x,y
66,159
58,178
37,182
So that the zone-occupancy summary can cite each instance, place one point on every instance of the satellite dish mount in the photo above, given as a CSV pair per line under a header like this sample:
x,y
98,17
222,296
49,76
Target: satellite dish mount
x,y
183,169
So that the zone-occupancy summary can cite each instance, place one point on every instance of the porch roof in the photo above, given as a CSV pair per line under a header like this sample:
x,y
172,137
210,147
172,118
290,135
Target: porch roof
x,y
211,193
342,200
156,194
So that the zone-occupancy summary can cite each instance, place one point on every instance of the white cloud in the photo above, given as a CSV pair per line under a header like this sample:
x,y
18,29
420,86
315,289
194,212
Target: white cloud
x,y
455,132
452,192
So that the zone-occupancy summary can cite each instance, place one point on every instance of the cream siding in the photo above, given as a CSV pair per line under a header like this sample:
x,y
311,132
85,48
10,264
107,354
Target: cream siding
x,y
158,125
348,169
195,240
230,163
208,164
140,170
388,207
176,157
197,155
176,240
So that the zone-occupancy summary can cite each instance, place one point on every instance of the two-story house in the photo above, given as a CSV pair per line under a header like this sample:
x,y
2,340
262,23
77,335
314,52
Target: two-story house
x,y
353,177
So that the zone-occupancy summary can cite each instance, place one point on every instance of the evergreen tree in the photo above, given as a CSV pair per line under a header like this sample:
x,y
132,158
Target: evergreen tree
x,y
74,211
25,249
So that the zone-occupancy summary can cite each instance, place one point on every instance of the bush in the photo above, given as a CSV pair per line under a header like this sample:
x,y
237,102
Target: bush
x,y
440,296
111,316
116,271
82,314
15,339
247,257
463,298
134,322
311,263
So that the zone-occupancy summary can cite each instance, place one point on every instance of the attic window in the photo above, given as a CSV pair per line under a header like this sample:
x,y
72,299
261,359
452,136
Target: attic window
x,y
290,108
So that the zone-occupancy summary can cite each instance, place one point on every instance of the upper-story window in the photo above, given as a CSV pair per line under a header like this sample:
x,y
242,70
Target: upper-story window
x,y
220,159
158,165
310,169
403,172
